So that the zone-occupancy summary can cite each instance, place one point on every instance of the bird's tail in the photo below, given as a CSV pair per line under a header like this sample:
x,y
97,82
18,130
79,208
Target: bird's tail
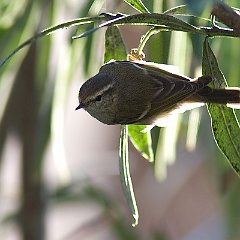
x,y
228,96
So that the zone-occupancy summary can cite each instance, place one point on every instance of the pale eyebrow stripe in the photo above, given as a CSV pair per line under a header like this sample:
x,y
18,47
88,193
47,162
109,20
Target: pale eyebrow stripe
x,y
103,90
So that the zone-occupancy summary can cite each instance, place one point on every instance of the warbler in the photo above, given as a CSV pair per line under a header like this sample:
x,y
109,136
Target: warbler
x,y
140,92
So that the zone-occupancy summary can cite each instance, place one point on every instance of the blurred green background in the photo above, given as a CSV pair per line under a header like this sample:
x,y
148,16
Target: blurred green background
x,y
59,176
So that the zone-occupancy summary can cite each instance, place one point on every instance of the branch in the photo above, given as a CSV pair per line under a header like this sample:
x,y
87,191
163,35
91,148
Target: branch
x,y
227,16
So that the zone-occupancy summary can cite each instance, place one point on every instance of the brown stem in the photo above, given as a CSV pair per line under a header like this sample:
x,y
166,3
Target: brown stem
x,y
227,15
33,204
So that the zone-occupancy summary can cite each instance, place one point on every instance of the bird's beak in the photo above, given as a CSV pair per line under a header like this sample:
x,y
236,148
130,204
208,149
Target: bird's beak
x,y
79,106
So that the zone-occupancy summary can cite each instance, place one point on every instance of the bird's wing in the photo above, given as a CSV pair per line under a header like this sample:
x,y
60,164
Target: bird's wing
x,y
171,91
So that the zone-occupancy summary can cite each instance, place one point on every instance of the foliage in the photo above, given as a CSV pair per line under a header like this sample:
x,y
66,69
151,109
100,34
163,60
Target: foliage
x,y
179,19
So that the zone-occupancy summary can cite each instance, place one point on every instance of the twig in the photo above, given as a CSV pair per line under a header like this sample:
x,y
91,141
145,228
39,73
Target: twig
x,y
227,16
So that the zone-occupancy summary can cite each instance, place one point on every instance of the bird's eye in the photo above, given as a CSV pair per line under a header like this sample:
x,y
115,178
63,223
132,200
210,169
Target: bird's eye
x,y
98,98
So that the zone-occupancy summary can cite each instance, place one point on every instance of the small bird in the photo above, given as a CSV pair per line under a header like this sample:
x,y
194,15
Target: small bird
x,y
125,92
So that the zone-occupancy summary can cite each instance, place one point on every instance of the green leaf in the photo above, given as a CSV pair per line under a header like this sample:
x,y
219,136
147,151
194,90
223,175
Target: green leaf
x,y
50,30
182,9
155,19
163,21
125,174
224,122
114,45
141,140
115,49
138,5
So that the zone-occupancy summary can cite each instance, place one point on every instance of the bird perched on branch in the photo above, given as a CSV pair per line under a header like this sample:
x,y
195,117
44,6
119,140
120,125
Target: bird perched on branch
x,y
140,92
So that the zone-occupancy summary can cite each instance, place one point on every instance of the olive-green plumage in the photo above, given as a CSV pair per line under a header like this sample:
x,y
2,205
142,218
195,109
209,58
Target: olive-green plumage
x,y
126,92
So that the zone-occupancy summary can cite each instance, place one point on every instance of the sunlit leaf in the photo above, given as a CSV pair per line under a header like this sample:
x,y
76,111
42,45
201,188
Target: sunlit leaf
x,y
193,127
10,11
9,39
165,21
114,45
141,140
125,174
224,122
164,156
138,5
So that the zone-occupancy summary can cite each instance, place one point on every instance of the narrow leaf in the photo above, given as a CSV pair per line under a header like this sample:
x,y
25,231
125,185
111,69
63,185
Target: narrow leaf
x,y
115,49
155,19
165,21
141,140
138,5
224,122
182,9
114,45
125,174
50,30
